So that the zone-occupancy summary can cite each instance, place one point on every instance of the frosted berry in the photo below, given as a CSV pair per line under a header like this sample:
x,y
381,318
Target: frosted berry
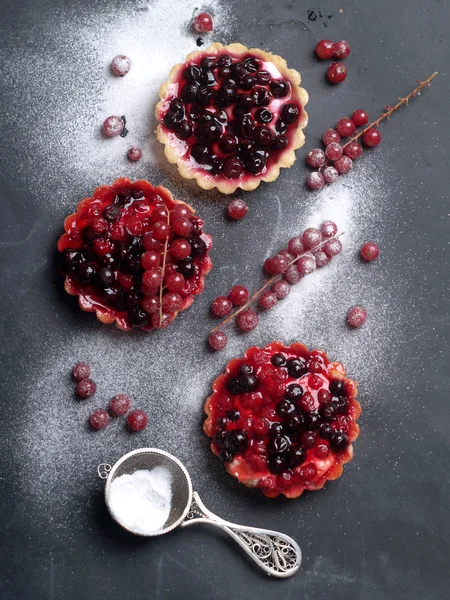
x,y
369,251
221,306
321,258
325,49
306,265
332,247
277,264
237,209
315,180
292,275
238,295
86,388
316,158
336,73
334,151
113,126
311,237
343,165
372,137
134,153
99,419
120,65
331,135
247,320
330,174
341,49
356,316
217,340
137,420
360,117
281,288
328,229
295,245
353,150
81,371
267,300
120,405
345,127
203,23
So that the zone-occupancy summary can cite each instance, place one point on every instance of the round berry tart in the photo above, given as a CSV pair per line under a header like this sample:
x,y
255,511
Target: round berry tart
x,y
134,255
231,117
283,419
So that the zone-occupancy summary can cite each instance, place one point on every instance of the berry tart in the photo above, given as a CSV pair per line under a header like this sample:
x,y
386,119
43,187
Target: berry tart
x,y
134,255
231,117
283,419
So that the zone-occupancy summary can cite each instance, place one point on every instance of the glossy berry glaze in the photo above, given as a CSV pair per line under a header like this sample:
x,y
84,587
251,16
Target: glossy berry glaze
x,y
283,419
110,256
230,114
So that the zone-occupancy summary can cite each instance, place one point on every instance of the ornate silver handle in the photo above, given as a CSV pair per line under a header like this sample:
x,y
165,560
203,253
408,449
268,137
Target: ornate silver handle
x,y
277,554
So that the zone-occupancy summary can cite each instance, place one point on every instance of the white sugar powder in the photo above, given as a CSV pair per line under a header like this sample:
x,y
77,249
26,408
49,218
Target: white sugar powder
x,y
141,501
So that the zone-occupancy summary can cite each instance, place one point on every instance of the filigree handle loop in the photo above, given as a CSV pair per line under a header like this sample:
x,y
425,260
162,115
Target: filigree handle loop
x,y
104,470
277,554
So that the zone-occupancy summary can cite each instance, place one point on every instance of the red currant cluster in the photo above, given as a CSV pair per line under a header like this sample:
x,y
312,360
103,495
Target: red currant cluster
x,y
304,253
325,50
342,156
119,406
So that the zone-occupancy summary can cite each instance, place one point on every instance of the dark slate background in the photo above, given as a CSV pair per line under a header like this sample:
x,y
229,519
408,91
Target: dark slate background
x,y
383,530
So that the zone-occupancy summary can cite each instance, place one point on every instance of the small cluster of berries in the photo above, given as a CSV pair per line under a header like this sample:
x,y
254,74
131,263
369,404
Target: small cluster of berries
x,y
327,49
342,156
118,407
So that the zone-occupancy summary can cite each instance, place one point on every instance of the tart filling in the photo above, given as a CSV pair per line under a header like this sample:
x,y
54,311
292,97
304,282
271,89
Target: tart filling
x,y
283,419
134,255
231,117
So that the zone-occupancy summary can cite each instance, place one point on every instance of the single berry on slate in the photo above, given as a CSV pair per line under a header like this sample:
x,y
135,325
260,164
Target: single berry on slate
x,y
328,229
134,153
372,137
330,174
99,419
345,127
356,316
267,300
311,237
334,151
343,165
237,209
120,65
360,117
333,247
221,306
306,264
218,340
238,295
247,320
353,150
341,49
330,136
113,126
203,22
316,158
369,251
315,180
137,420
325,49
85,388
336,73
281,289
81,371
120,405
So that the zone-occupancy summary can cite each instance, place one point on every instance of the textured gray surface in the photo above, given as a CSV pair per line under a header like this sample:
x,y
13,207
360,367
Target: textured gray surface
x,y
382,530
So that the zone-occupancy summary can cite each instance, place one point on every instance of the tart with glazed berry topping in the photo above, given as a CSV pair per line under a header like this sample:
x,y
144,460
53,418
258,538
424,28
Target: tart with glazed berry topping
x,y
231,117
283,419
134,255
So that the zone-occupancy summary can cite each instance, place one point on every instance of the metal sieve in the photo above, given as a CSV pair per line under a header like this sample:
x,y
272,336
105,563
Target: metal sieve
x,y
277,554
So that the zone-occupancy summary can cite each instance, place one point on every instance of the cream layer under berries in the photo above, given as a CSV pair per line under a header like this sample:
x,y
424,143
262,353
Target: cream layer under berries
x,y
283,419
134,255
231,117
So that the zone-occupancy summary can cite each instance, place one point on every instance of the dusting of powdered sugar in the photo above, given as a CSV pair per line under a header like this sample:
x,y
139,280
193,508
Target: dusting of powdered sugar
x,y
63,145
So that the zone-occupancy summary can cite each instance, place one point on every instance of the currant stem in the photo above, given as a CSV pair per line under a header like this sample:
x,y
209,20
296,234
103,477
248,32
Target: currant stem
x,y
274,278
390,109
163,269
